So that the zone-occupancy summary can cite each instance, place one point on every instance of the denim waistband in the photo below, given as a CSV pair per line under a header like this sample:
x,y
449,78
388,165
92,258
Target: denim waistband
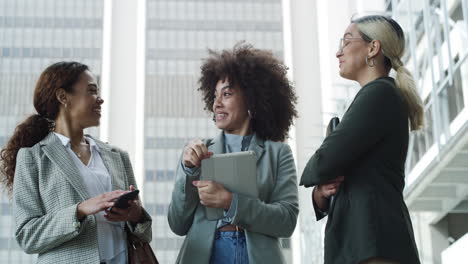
x,y
236,234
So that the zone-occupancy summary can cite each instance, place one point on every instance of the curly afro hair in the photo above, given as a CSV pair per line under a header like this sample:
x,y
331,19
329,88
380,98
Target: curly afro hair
x,y
269,96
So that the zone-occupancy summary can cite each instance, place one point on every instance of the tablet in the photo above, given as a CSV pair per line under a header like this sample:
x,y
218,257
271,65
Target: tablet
x,y
237,172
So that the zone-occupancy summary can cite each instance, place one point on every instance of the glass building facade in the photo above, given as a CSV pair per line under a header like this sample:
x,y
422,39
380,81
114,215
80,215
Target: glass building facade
x,y
437,169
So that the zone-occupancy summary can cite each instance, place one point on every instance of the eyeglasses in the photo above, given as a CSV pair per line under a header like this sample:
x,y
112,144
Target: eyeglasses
x,y
344,42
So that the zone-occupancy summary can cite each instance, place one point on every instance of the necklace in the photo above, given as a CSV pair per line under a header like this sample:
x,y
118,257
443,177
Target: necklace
x,y
78,153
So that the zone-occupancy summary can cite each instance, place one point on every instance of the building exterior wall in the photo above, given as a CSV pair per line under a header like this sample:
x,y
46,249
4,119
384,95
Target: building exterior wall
x,y
33,35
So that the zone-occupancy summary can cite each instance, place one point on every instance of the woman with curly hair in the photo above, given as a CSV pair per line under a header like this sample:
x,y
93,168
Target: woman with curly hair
x,y
63,181
253,104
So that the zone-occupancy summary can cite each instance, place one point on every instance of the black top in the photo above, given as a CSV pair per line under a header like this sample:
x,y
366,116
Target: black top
x,y
369,147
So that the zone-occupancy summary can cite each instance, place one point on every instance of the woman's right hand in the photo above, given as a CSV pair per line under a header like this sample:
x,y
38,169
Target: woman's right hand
x,y
323,192
330,188
98,203
194,152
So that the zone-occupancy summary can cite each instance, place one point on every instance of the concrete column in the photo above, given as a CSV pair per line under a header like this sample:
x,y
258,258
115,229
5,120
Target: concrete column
x,y
123,79
305,69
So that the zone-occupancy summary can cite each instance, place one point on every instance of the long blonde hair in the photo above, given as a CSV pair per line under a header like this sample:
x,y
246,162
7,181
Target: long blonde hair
x,y
392,41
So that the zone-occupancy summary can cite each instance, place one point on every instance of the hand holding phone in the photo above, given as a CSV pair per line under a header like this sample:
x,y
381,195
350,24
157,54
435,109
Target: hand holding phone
x,y
122,201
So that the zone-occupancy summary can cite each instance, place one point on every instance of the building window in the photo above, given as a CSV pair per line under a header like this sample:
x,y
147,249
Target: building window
x,y
6,52
159,175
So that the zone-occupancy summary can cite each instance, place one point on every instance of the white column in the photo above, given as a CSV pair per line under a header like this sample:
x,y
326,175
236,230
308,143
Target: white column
x,y
308,128
456,252
123,79
294,255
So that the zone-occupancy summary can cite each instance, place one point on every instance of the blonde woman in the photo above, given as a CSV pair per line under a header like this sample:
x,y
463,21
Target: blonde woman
x,y
368,221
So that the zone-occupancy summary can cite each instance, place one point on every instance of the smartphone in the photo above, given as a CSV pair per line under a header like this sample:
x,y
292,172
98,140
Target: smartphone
x,y
332,125
122,201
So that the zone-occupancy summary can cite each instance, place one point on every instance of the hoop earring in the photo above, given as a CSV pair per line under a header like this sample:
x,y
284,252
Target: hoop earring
x,y
370,65
250,114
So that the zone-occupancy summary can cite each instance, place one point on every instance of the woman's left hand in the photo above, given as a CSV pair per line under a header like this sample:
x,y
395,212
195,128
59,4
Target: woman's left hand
x,y
213,194
133,213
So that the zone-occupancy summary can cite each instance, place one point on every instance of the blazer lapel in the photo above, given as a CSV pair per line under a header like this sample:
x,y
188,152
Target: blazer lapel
x,y
113,162
257,145
217,144
58,154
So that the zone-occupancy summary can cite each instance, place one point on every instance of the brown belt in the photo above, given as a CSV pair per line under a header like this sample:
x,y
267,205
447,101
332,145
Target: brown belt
x,y
228,228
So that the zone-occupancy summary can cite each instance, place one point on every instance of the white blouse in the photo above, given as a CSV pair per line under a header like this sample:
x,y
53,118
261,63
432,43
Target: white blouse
x,y
111,235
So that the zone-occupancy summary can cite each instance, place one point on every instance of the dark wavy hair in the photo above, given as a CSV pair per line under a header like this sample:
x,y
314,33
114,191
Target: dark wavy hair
x,y
36,127
269,96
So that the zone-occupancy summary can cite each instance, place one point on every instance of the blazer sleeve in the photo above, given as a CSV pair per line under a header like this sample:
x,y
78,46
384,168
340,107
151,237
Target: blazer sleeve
x,y
184,200
143,228
35,230
319,214
278,217
366,122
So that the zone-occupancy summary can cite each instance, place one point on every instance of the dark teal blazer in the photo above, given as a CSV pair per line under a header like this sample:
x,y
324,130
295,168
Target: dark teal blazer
x,y
369,217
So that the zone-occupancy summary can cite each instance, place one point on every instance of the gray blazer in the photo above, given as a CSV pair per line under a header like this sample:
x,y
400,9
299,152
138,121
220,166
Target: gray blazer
x,y
46,191
272,215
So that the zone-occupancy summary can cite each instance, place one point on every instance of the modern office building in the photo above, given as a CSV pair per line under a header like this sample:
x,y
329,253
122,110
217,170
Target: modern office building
x,y
437,164
33,35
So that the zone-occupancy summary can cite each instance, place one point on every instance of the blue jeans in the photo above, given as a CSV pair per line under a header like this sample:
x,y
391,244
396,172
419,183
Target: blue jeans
x,y
229,248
